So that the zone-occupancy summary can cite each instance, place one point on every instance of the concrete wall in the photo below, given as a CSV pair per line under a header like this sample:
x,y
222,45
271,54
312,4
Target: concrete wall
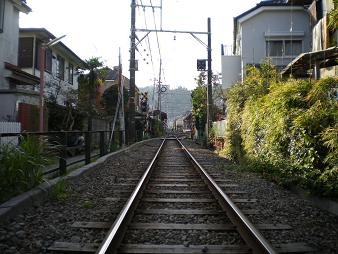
x,y
231,70
9,40
276,22
8,107
9,104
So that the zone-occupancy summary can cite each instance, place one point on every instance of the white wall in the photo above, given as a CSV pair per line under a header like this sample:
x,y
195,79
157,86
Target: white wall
x,y
274,21
9,40
231,70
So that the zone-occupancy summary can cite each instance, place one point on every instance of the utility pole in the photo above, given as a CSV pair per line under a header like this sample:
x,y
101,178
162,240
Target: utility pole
x,y
121,93
209,87
194,35
131,124
159,88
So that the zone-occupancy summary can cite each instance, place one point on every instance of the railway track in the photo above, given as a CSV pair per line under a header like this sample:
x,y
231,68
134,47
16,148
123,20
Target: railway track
x,y
177,207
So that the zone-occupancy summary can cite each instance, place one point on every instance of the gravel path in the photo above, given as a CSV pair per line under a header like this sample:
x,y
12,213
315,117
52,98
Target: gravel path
x,y
38,228
317,228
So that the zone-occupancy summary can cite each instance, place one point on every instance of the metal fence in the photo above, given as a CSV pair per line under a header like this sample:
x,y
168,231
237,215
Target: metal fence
x,y
10,127
83,144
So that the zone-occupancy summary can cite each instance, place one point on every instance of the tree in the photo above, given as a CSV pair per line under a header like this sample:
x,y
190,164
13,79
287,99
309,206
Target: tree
x,y
89,81
199,102
110,97
65,117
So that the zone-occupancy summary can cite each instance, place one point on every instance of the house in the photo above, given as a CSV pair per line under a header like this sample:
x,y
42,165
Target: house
x,y
61,63
184,122
16,86
321,60
274,29
112,79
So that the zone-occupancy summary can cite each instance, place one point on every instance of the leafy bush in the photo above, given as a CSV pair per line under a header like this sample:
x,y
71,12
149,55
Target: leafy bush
x,y
291,126
21,167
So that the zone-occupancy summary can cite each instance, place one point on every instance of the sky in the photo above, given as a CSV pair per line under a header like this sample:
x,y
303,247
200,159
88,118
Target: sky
x,y
99,28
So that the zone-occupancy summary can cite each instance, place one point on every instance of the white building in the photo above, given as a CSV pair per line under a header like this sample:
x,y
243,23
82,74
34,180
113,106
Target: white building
x,y
276,29
16,86
61,62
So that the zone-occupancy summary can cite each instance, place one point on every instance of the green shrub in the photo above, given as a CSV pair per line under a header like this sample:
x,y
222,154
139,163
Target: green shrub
x,y
286,129
21,167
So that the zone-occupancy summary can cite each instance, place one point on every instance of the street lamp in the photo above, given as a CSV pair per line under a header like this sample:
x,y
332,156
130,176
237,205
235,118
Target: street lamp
x,y
42,76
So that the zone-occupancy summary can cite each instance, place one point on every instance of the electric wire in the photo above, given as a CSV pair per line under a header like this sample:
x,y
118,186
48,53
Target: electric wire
x,y
150,51
158,42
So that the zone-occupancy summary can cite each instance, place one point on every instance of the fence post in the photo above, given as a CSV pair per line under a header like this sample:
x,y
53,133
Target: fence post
x,y
87,146
120,139
63,154
102,144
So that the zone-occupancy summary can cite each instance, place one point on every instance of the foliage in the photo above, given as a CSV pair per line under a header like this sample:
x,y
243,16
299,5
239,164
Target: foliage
x,y
287,130
157,130
199,103
21,167
63,118
256,84
89,82
60,191
333,17
110,97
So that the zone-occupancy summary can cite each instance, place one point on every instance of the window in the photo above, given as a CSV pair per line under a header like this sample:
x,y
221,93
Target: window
x,y
274,48
293,48
48,57
2,15
283,48
25,54
48,60
70,73
60,68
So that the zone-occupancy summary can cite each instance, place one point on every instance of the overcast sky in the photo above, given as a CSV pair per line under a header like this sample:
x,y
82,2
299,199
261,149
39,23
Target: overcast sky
x,y
99,28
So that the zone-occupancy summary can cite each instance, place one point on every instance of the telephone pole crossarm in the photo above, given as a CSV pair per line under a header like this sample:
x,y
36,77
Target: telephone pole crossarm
x,y
139,41
170,31
148,6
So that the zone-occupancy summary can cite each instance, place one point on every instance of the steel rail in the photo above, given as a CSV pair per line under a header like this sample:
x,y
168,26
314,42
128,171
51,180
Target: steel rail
x,y
249,233
118,229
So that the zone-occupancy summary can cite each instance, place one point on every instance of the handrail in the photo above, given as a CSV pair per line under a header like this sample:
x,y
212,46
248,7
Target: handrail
x,y
48,133
250,234
118,229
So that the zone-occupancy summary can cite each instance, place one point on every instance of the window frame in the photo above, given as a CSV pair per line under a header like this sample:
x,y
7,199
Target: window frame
x,y
26,52
60,73
284,41
70,73
2,15
48,60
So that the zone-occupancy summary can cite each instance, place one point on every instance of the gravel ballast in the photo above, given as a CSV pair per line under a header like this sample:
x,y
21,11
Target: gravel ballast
x,y
315,227
37,228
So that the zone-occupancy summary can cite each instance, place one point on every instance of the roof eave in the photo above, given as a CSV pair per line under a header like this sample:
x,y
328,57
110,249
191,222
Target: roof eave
x,y
45,34
21,6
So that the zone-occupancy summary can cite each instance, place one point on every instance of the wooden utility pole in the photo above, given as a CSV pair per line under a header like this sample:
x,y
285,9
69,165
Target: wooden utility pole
x,y
121,93
209,87
131,122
